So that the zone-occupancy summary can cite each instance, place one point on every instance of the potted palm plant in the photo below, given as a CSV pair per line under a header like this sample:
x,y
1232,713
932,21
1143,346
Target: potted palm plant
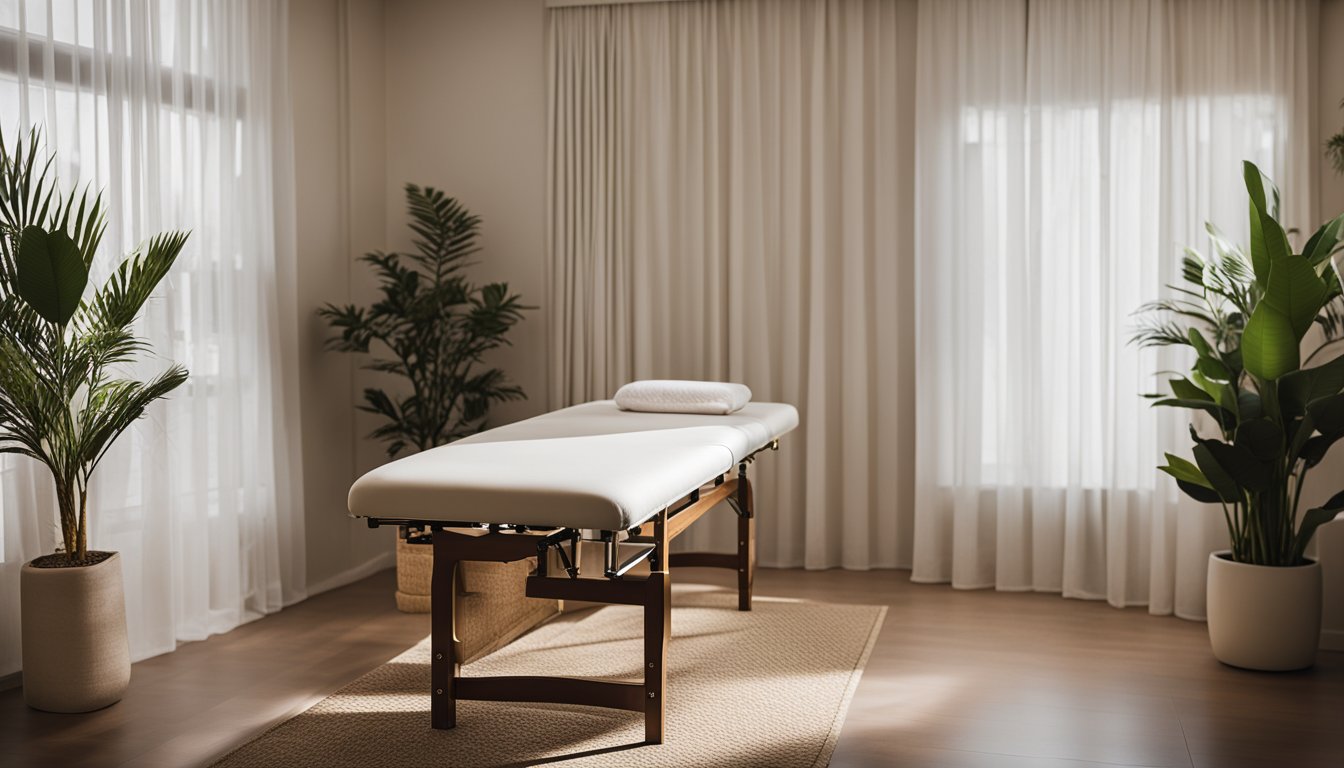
x,y
431,329
1269,414
63,403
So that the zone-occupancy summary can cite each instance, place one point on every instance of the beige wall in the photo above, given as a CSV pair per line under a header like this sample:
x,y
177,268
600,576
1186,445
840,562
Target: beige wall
x,y
466,113
444,94
336,77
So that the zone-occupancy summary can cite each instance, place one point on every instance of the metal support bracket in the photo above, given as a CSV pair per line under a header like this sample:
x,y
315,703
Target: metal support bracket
x,y
739,501
569,561
645,552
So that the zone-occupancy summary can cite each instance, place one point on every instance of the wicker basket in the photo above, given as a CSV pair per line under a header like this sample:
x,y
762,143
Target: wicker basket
x,y
492,608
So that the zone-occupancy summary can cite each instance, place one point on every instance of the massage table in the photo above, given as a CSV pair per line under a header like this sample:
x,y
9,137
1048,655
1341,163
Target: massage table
x,y
588,475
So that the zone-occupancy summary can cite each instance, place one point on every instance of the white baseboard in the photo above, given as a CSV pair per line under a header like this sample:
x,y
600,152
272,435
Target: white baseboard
x,y
1332,640
363,570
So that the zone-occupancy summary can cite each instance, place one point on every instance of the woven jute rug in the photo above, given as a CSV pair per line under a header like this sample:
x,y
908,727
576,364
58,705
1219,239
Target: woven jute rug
x,y
765,688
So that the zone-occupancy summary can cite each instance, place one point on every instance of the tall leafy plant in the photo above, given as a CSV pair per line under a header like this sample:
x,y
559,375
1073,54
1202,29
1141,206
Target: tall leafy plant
x,y
1277,413
433,327
63,400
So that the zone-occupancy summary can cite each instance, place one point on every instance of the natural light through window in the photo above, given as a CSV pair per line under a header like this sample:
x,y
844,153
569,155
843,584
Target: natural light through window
x,y
1068,200
65,89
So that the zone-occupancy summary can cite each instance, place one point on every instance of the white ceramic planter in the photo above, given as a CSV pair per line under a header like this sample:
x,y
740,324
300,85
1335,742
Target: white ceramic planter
x,y
1261,617
75,654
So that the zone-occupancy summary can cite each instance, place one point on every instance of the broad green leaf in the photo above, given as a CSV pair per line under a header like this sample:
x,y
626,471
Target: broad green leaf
x,y
1262,437
1190,480
1241,466
1329,272
1187,390
1200,344
1228,488
1260,259
1222,392
1213,368
1297,433
1301,387
51,274
1296,291
1183,469
1327,414
1325,239
1199,493
1331,276
1315,449
1269,346
1313,519
1268,240
1248,405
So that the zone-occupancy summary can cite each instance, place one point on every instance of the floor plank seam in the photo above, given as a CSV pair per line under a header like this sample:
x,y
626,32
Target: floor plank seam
x,y
1185,738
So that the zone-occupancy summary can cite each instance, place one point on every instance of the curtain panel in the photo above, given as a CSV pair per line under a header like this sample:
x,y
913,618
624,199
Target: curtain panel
x,y
179,112
926,224
1068,151
729,199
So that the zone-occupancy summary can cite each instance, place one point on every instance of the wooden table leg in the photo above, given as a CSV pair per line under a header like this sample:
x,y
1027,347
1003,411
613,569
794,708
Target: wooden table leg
x,y
657,632
443,630
746,548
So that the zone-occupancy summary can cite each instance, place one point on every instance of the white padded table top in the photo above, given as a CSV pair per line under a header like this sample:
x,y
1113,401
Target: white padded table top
x,y
587,466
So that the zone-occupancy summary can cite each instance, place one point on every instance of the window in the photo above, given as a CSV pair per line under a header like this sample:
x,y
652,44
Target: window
x,y
1072,201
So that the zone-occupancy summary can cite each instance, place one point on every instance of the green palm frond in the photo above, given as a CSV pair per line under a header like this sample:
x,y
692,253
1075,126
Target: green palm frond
x,y
447,231
62,401
430,328
1159,333
88,225
115,405
1331,320
119,301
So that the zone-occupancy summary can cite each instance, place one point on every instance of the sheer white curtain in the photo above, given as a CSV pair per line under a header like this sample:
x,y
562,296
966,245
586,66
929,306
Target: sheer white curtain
x,y
1068,149
735,192
730,198
179,113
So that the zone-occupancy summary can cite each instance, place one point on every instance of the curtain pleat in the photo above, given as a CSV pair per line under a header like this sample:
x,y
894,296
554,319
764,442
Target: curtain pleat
x,y
729,199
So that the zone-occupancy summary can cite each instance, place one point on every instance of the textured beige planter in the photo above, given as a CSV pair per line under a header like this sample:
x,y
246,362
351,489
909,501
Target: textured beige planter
x,y
75,654
415,568
1264,618
492,608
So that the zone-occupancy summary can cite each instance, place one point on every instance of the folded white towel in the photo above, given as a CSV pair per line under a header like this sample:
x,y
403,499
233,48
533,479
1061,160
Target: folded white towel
x,y
669,396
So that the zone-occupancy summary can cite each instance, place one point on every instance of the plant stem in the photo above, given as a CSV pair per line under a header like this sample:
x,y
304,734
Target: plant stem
x,y
66,504
82,538
1231,528
1243,515
1290,535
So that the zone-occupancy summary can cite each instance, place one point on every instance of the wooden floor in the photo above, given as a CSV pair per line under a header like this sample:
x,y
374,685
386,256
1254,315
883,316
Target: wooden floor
x,y
956,679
